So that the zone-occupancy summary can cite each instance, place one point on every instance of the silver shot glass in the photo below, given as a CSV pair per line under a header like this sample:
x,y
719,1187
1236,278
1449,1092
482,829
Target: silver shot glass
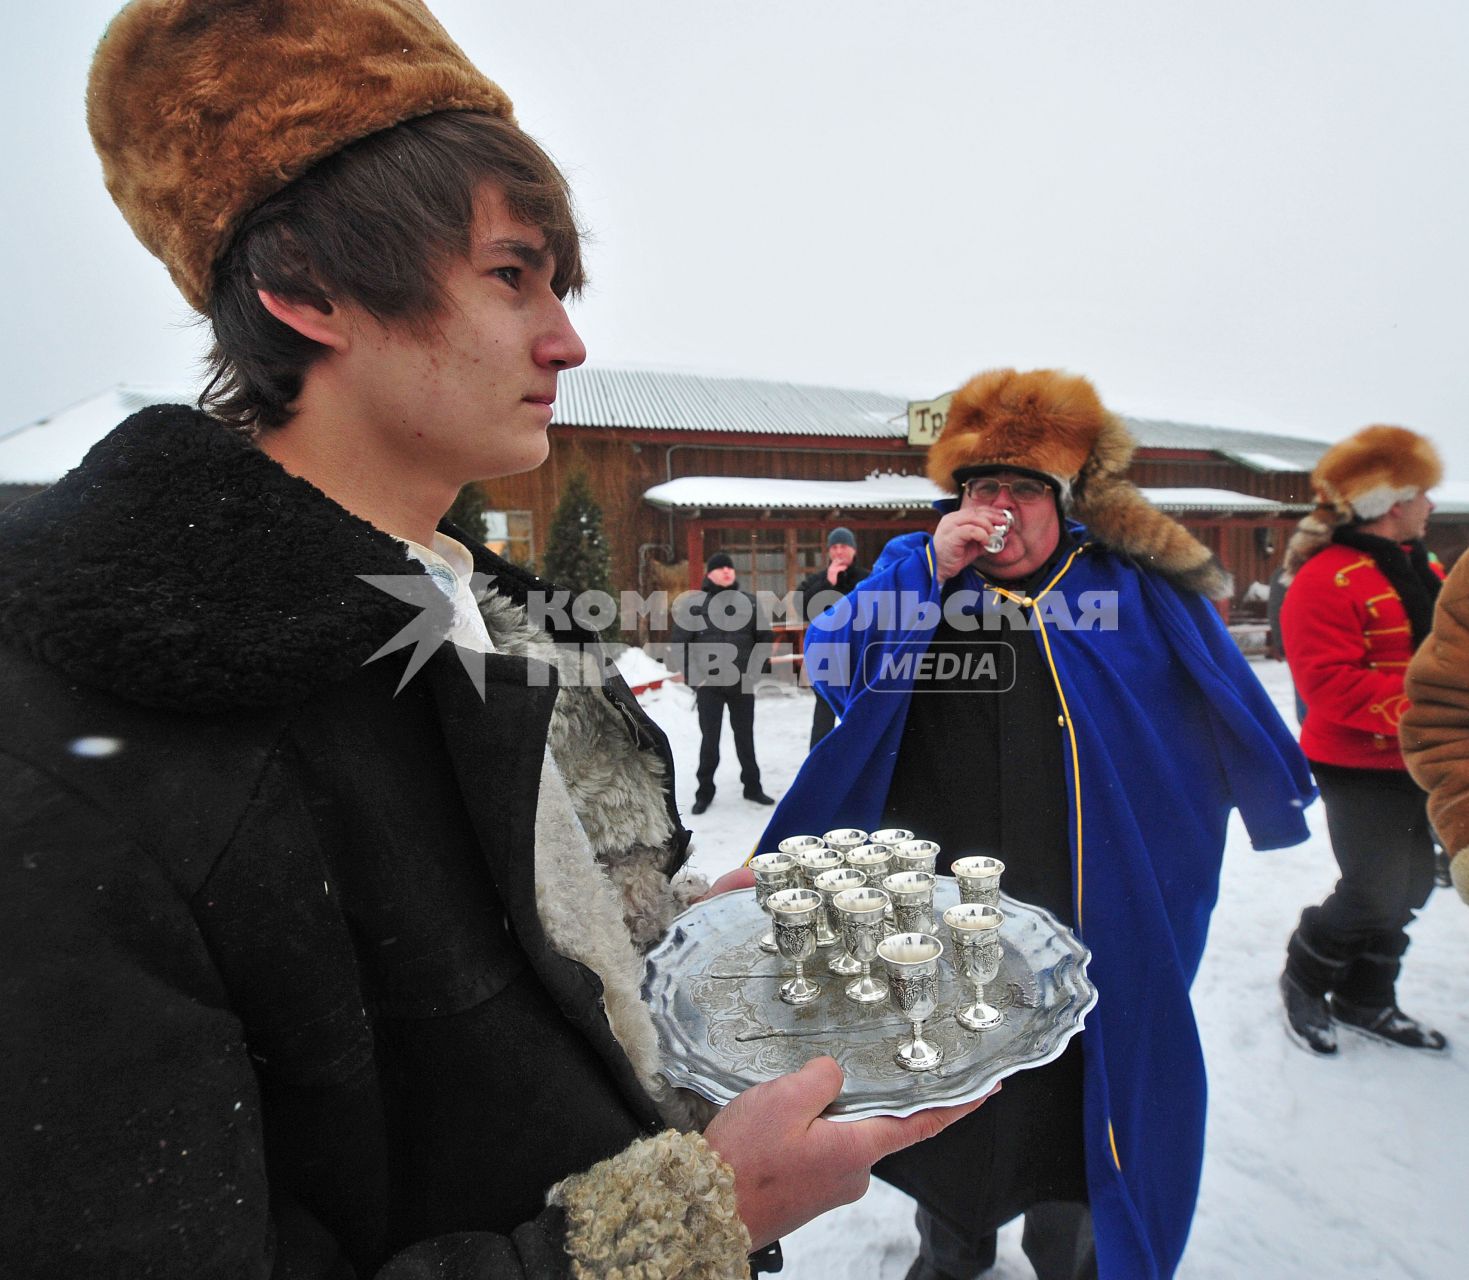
x,y
912,895
890,835
979,879
912,961
773,872
974,929
812,863
916,855
794,912
861,913
828,884
799,844
843,838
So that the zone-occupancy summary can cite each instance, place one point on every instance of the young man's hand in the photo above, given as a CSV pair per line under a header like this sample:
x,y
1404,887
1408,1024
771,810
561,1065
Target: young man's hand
x,y
791,1165
739,878
960,537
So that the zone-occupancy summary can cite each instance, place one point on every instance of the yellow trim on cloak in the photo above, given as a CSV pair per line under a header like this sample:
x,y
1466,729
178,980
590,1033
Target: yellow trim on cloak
x,y
1034,601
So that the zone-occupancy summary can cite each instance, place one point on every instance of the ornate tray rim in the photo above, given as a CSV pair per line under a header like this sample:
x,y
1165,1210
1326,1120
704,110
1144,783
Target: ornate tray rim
x,y
959,1086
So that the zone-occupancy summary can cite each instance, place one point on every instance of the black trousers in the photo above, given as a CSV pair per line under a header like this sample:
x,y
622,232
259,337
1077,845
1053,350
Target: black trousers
x,y
823,720
1057,1239
1353,943
711,703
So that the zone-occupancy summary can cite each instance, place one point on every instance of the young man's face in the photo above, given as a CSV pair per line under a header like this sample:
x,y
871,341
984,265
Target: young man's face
x,y
468,396
722,577
1413,516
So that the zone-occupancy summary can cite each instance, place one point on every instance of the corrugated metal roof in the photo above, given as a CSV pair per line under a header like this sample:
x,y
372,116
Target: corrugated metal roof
x,y
1257,450
591,397
895,492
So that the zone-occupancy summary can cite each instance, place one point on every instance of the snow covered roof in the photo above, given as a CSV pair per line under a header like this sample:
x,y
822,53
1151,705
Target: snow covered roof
x,y
757,493
1221,500
45,450
894,493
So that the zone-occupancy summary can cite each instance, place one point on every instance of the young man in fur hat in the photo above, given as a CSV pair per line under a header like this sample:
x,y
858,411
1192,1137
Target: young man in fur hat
x,y
1359,603
838,577
1098,755
311,968
721,641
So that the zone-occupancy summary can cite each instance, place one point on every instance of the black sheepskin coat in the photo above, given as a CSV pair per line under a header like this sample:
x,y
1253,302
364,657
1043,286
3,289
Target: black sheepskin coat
x,y
276,997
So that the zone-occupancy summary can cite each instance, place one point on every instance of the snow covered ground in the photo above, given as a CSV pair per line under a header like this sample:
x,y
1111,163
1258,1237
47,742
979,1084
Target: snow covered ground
x,y
1347,1167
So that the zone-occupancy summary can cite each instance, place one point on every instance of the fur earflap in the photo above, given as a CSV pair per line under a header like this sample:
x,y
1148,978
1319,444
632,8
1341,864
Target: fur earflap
x,y
1311,535
1366,473
200,110
1042,420
1118,516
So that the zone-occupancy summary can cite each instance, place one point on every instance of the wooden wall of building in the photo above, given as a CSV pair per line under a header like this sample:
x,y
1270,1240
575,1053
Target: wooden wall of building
x,y
623,464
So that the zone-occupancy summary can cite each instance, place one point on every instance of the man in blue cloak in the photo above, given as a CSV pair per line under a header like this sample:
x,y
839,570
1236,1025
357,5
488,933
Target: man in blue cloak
x,y
1099,724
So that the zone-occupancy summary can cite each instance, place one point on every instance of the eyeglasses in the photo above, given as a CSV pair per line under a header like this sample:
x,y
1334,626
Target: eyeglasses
x,y
986,489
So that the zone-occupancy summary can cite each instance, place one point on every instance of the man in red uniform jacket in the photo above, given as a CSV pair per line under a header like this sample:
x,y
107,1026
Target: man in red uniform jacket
x,y
1360,601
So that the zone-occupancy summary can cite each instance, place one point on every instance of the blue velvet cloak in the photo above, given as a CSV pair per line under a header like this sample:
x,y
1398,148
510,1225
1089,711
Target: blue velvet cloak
x,y
1166,729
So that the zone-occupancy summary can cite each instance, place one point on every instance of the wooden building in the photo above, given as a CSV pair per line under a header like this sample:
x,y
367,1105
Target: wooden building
x,y
685,465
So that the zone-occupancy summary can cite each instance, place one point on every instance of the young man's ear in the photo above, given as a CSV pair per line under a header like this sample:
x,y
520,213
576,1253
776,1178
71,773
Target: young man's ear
x,y
321,322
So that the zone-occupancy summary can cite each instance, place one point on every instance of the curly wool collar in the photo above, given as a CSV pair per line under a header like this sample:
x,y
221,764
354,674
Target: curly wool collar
x,y
181,568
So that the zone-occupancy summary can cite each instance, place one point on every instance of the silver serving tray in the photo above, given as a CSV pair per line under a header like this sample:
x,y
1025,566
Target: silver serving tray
x,y
722,1027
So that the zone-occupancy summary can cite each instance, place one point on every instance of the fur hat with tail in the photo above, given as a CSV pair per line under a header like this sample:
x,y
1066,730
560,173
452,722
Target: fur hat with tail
x,y
1053,423
1361,478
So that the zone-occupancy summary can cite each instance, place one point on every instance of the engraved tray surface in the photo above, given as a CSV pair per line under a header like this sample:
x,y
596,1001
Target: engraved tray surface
x,y
723,1028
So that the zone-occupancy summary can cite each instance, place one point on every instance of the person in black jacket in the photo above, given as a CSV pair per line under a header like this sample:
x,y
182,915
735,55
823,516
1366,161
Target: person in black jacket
x,y
721,641
818,593
320,962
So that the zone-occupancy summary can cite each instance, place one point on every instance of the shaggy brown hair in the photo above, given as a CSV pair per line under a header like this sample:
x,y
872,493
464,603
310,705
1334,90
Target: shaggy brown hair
x,y
371,225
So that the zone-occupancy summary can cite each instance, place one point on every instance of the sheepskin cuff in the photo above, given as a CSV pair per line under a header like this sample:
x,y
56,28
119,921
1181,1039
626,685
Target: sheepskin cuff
x,y
665,1207
1459,870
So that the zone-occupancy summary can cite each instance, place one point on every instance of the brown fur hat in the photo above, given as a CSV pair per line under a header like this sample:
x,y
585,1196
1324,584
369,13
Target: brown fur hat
x,y
1042,420
1360,478
1053,422
201,109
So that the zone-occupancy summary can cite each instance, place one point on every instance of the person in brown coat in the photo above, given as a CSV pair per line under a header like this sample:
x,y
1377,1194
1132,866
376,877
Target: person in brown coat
x,y
1435,730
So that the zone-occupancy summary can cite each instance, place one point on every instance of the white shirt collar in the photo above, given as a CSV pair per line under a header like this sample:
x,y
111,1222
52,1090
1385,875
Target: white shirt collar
x,y
451,566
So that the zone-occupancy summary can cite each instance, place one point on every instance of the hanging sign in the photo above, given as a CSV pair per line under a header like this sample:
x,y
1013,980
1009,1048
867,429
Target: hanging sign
x,y
926,419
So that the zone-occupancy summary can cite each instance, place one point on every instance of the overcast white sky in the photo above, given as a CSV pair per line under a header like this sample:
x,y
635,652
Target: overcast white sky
x,y
1228,211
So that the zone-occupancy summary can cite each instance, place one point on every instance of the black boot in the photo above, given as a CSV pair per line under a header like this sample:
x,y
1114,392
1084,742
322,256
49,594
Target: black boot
x,y
1390,1025
702,802
1310,973
1307,1017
